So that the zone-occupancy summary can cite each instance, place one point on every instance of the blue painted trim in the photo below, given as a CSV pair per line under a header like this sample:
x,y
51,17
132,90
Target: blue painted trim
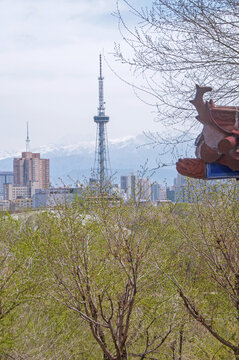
x,y
218,171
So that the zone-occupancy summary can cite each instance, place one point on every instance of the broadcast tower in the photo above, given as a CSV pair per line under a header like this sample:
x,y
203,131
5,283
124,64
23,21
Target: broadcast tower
x,y
102,162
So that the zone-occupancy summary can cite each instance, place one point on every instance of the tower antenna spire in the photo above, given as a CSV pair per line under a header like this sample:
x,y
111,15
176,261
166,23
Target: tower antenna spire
x,y
27,140
100,66
101,108
102,164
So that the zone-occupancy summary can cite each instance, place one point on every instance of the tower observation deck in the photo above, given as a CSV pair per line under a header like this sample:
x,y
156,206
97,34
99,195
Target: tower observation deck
x,y
102,163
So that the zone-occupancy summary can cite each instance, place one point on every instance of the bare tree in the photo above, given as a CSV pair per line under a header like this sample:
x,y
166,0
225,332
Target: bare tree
x,y
97,257
16,282
174,44
209,262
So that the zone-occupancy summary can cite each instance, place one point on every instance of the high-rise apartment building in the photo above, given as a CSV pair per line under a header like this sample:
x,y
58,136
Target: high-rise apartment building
x,y
158,192
6,177
155,189
31,168
123,183
133,187
128,185
144,189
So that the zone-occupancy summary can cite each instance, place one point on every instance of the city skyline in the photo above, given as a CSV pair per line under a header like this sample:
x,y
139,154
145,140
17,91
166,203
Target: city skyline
x,y
48,64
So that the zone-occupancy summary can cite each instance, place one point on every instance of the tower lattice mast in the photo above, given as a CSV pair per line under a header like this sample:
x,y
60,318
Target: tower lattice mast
x,y
102,164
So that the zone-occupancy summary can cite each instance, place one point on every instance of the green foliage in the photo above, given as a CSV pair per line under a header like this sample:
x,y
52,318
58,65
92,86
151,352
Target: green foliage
x,y
103,277
208,260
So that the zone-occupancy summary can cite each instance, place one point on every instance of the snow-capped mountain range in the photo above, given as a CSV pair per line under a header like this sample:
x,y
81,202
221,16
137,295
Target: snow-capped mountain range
x,y
70,163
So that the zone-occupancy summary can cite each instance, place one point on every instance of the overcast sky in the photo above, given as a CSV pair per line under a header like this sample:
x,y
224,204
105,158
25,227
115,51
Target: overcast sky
x,y
49,68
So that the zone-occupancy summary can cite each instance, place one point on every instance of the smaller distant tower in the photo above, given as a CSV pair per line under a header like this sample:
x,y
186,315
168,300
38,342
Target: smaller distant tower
x,y
30,168
102,164
27,140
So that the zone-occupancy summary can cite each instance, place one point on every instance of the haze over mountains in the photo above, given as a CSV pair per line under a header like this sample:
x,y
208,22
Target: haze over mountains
x,y
70,163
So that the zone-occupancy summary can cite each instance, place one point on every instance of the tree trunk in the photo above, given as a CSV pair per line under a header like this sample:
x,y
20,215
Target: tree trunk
x,y
124,354
236,353
181,342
